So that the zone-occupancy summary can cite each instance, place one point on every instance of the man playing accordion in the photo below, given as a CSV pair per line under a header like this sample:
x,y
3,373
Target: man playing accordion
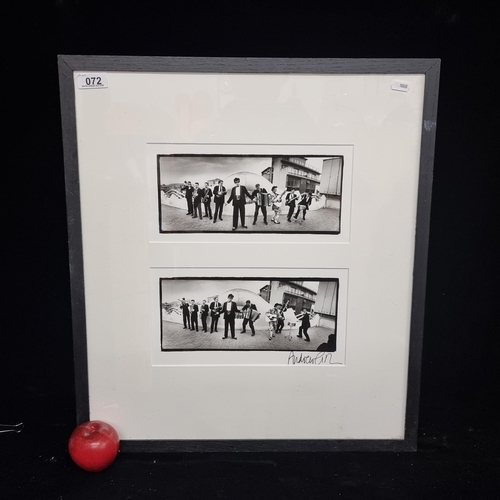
x,y
260,198
249,311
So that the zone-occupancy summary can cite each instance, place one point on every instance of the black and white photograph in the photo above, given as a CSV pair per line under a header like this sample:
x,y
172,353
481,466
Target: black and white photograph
x,y
258,314
249,194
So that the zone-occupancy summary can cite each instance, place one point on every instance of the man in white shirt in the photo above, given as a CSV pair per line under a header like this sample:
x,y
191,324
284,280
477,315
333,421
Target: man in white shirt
x,y
215,310
238,197
229,309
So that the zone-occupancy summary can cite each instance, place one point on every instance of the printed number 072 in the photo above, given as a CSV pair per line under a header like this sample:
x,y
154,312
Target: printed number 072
x,y
94,80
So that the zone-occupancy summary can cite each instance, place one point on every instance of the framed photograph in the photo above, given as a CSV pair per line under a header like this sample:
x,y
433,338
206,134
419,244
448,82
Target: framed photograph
x,y
248,248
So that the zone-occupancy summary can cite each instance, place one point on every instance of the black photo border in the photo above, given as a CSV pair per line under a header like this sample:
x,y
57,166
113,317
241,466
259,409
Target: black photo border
x,y
430,68
236,278
180,231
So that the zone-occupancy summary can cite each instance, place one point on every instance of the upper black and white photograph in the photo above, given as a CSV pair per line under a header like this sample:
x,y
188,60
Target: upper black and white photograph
x,y
250,194
279,314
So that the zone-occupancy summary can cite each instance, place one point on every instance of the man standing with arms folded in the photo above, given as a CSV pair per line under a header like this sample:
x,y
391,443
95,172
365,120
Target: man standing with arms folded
x,y
229,309
238,197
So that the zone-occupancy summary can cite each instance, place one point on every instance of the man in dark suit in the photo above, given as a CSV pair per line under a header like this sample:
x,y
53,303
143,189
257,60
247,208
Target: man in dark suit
x,y
185,313
259,196
238,197
219,198
247,319
204,315
229,309
291,198
207,199
193,309
198,196
305,324
215,310
189,196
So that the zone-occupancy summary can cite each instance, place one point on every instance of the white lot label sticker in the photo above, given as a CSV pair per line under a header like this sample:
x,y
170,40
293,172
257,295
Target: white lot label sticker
x,y
400,85
92,81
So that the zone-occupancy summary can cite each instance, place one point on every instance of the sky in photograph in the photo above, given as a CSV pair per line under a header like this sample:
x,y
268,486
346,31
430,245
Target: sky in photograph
x,y
201,289
177,169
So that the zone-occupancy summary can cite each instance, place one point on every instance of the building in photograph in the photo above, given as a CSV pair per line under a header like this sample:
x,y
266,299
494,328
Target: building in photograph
x,y
326,304
292,171
331,181
265,293
299,294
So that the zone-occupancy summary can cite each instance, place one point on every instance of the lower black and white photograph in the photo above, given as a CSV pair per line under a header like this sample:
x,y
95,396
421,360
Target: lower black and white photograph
x,y
249,194
250,314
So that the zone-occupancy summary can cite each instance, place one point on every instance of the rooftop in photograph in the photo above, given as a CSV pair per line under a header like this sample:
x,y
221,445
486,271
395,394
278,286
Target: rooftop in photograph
x,y
299,161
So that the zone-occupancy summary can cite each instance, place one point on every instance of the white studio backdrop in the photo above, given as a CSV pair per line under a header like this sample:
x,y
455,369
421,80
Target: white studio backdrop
x,y
120,131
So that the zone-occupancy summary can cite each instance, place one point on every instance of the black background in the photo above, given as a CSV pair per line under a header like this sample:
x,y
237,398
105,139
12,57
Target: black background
x,y
458,430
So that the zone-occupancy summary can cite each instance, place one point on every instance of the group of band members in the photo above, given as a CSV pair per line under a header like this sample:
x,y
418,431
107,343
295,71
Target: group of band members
x,y
228,310
298,203
276,320
274,316
197,196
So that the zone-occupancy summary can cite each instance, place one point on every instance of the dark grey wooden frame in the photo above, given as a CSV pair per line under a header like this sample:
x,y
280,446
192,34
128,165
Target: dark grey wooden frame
x,y
428,67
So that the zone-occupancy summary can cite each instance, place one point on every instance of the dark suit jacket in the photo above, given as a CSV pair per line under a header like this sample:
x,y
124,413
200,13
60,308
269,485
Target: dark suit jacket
x,y
204,310
198,194
290,199
219,199
189,191
208,193
242,199
306,200
229,313
306,320
213,309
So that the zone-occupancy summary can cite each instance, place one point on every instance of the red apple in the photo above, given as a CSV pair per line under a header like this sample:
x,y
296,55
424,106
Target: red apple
x,y
94,445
